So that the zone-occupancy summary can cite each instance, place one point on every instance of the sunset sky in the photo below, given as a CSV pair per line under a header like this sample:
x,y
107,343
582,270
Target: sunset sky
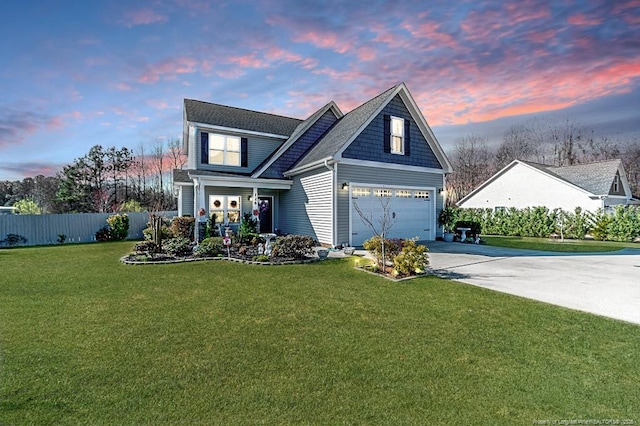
x,y
74,74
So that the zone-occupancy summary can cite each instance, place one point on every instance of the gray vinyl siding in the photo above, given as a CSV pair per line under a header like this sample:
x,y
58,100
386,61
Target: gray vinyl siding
x,y
187,201
305,209
259,149
379,176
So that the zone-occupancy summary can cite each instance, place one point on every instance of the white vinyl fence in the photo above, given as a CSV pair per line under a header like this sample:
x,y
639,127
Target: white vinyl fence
x,y
44,229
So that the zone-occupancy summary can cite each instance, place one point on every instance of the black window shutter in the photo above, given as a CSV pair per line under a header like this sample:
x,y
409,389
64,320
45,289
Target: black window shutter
x,y
407,137
204,147
244,157
387,133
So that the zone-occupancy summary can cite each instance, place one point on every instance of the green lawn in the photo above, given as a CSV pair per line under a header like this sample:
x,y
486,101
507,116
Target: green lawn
x,y
86,340
547,244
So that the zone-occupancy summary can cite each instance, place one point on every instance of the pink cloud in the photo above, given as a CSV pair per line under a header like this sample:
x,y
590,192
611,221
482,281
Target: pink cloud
x,y
168,68
582,20
542,36
145,16
324,40
366,53
430,30
249,60
157,104
482,99
123,87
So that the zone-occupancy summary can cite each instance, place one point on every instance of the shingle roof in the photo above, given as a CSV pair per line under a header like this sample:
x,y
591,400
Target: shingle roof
x,y
299,142
345,129
181,175
593,177
238,118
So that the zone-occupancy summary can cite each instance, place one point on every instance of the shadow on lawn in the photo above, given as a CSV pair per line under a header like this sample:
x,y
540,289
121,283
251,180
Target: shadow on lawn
x,y
493,251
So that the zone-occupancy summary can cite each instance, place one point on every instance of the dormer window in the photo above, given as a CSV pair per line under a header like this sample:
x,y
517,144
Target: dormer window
x,y
397,135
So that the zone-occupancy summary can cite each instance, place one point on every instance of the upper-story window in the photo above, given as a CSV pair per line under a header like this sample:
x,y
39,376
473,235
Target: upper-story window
x,y
616,183
224,150
397,135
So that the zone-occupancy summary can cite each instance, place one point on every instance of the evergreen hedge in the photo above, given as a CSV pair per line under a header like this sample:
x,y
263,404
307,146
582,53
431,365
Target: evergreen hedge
x,y
623,224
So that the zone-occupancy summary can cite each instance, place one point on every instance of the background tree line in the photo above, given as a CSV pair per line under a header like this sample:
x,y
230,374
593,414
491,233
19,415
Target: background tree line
x,y
543,140
103,180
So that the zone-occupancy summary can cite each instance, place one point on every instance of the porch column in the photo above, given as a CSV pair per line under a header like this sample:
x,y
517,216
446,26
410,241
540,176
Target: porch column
x,y
254,205
198,203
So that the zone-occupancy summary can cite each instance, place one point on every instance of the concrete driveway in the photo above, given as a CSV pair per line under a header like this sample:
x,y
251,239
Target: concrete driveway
x,y
606,284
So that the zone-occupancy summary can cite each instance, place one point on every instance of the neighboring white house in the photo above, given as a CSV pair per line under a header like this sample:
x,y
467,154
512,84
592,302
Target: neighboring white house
x,y
524,184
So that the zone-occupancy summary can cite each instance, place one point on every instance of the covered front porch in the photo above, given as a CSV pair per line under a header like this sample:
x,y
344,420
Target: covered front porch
x,y
230,197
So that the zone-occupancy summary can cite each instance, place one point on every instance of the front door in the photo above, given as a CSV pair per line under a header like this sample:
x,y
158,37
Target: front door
x,y
265,207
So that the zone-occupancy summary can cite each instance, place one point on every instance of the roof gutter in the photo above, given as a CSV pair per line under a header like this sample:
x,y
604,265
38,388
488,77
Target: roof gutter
x,y
324,162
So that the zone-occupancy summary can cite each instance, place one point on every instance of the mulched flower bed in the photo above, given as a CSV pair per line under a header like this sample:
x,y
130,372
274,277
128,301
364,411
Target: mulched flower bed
x,y
243,254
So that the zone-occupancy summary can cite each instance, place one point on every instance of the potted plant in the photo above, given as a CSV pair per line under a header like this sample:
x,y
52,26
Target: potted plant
x,y
447,219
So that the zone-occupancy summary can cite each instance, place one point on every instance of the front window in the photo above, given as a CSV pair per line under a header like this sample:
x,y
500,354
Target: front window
x,y
397,135
224,150
225,207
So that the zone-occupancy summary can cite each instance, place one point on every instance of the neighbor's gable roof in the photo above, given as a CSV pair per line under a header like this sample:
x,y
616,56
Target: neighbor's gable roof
x,y
238,118
593,178
354,122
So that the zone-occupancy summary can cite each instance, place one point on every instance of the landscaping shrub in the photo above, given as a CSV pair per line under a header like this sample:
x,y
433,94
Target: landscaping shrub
x,y
210,247
103,234
261,258
118,226
248,229
447,218
625,224
412,259
211,228
146,247
183,227
574,225
13,240
165,230
294,246
600,229
392,247
177,246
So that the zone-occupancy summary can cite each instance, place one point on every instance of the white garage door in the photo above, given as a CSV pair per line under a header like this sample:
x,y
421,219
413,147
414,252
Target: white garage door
x,y
411,212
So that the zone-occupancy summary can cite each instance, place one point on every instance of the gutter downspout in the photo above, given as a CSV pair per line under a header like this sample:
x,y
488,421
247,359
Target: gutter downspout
x,y
334,193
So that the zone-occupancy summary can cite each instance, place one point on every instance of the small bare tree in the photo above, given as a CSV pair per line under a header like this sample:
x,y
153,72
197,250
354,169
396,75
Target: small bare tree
x,y
380,227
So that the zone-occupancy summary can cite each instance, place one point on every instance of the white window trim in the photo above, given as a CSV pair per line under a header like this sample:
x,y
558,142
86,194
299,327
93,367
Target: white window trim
x,y
225,207
401,135
225,150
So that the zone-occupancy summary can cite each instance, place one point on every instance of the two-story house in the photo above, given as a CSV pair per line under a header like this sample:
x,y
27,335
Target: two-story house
x,y
307,176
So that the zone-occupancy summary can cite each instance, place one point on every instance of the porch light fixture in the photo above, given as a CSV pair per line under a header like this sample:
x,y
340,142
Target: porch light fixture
x,y
345,186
